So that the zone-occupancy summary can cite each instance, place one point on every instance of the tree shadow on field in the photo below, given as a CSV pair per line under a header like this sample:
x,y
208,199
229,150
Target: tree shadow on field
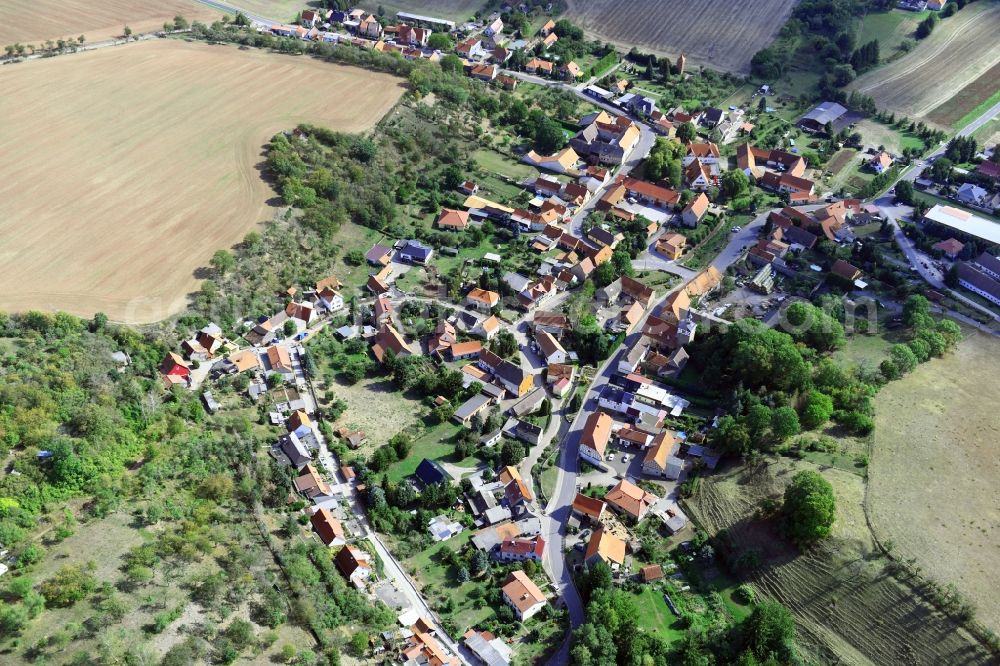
x,y
204,273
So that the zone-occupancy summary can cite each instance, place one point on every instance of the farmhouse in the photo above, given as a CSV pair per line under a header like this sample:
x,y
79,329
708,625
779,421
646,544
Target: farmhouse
x,y
881,162
665,448
521,549
630,500
975,279
487,648
563,161
605,139
549,348
817,119
538,66
521,594
415,252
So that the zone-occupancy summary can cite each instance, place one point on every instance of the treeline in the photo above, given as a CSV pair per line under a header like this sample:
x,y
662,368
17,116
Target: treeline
x,y
777,383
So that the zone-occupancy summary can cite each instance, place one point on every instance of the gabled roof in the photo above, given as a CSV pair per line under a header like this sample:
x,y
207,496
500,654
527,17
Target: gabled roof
x,y
596,432
630,499
350,558
665,445
547,344
523,547
310,483
553,319
702,150
589,506
636,290
279,358
607,546
430,472
522,591
698,206
327,527
845,270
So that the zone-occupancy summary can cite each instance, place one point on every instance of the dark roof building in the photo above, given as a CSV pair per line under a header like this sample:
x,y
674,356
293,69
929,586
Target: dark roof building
x,y
430,472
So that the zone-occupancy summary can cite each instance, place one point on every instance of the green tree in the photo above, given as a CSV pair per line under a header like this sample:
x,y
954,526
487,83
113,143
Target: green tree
x,y
69,584
818,409
440,41
687,132
223,262
809,508
549,136
735,183
769,633
784,423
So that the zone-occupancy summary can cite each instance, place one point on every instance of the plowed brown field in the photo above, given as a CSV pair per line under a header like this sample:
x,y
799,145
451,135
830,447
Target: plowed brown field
x,y
847,609
720,34
34,21
125,168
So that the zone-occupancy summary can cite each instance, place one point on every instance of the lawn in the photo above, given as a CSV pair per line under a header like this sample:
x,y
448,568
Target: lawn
x,y
655,615
440,584
874,134
709,248
436,443
496,162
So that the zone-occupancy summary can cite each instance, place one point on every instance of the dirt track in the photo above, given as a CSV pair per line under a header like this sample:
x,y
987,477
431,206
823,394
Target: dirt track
x,y
126,168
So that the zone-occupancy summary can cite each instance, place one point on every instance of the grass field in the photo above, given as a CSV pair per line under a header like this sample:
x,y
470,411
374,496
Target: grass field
x,y
960,50
34,21
876,134
279,10
890,29
144,160
847,609
705,31
935,473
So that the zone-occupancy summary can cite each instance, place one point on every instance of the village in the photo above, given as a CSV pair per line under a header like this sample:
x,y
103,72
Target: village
x,y
516,369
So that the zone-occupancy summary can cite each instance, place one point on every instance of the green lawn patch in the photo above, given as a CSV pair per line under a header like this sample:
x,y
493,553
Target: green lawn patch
x,y
978,111
437,443
503,165
655,615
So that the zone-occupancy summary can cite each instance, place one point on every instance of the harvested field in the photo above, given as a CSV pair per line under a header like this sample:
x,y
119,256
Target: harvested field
x,y
968,98
935,474
847,608
34,21
961,49
144,160
705,31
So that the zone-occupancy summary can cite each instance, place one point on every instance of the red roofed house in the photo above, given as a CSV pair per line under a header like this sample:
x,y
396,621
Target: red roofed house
x,y
412,36
328,528
589,507
175,370
845,271
354,564
695,210
951,248
630,500
521,549
453,220
482,299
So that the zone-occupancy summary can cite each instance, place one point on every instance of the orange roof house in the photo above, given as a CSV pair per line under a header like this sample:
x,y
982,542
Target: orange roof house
x,y
671,245
630,499
595,435
328,528
589,507
453,220
605,547
521,594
